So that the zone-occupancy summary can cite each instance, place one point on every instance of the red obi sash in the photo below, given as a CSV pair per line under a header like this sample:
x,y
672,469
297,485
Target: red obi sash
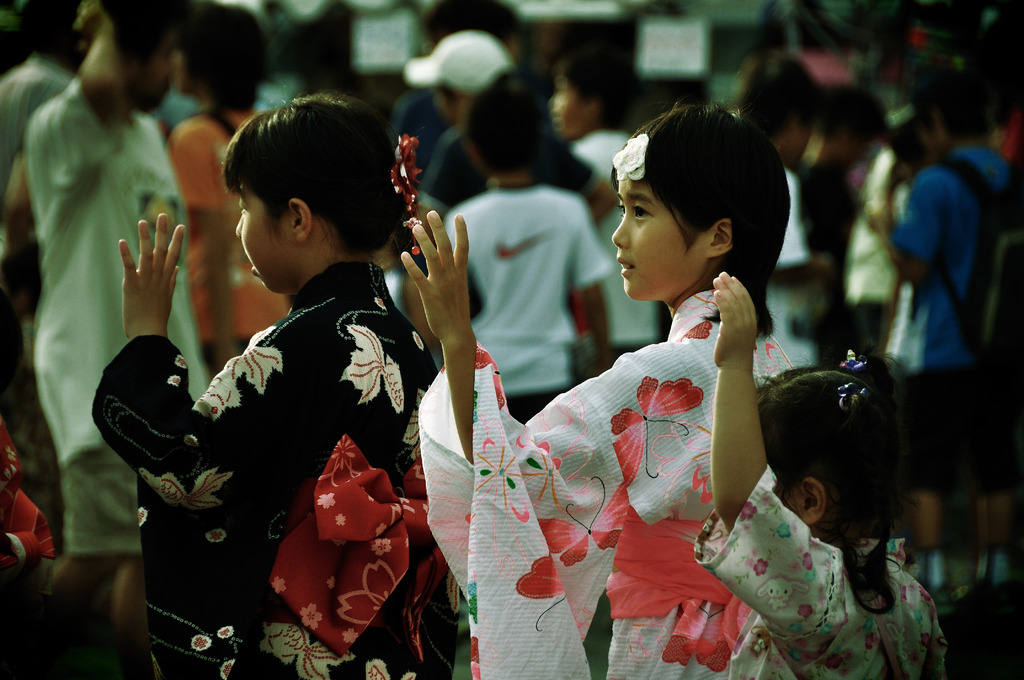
x,y
656,571
346,549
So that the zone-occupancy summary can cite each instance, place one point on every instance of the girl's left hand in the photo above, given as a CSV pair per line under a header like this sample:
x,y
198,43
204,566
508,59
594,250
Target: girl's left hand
x,y
738,330
445,290
147,290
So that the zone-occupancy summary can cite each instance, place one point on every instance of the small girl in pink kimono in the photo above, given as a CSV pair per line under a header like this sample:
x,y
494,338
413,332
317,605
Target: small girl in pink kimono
x,y
805,472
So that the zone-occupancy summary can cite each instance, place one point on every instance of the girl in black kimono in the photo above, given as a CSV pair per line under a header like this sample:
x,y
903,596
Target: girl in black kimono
x,y
283,514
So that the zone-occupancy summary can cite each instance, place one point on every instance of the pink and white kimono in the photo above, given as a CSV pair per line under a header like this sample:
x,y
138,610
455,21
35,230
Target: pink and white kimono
x,y
609,486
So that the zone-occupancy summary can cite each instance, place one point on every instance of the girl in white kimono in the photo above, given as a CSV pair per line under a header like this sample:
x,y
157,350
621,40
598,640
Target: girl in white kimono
x,y
608,486
804,515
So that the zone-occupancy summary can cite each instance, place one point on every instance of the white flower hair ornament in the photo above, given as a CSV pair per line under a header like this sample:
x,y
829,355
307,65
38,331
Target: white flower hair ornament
x,y
629,162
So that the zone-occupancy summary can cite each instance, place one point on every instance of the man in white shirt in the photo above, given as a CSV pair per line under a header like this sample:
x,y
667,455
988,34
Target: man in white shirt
x,y
96,165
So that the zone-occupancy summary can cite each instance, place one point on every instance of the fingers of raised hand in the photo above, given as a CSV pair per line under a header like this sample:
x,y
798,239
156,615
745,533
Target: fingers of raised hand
x,y
413,270
126,256
461,242
145,248
174,250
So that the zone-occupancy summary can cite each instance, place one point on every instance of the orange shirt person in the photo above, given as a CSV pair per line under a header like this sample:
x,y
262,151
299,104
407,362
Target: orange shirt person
x,y
230,305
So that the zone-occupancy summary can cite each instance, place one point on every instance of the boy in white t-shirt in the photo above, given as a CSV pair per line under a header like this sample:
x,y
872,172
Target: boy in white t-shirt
x,y
531,245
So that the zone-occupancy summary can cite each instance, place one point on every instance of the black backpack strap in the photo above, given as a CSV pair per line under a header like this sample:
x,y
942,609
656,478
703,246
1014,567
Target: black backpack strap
x,y
972,177
974,180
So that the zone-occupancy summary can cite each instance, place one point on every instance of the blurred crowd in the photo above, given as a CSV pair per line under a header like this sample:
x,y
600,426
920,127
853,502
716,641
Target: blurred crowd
x,y
517,123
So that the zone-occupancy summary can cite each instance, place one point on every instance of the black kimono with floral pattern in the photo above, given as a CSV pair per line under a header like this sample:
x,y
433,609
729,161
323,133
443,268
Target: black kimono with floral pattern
x,y
220,483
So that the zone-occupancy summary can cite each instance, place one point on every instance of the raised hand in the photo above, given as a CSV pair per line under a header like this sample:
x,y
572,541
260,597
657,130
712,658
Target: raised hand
x,y
737,449
738,331
445,294
147,290
444,290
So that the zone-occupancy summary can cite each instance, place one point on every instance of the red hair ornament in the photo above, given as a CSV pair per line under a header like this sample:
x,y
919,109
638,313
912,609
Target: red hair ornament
x,y
404,174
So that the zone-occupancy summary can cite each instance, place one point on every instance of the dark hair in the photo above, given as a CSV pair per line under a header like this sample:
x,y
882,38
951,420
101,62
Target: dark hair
x,y
452,16
905,143
504,124
10,341
20,271
708,163
855,451
853,108
43,21
334,152
774,86
603,71
140,25
223,46
962,97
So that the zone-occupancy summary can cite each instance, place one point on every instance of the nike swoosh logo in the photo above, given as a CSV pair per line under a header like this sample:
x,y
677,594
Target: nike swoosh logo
x,y
505,252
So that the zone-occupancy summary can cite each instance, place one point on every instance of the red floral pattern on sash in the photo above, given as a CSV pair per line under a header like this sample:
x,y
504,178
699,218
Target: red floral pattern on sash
x,y
346,551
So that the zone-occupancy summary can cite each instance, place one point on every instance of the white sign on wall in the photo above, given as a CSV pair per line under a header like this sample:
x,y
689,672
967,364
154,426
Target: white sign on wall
x,y
673,47
383,41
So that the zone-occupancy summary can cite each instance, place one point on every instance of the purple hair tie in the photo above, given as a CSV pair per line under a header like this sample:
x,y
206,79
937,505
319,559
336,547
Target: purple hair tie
x,y
854,362
848,391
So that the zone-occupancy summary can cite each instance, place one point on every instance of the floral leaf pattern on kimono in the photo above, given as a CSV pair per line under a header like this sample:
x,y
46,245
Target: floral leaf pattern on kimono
x,y
370,366
295,645
256,364
174,493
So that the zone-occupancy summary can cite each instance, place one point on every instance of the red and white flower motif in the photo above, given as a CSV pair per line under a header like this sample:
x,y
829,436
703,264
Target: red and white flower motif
x,y
350,635
143,516
339,519
380,303
225,668
278,584
255,365
174,492
216,535
370,365
201,642
180,362
226,632
190,440
326,500
380,546
174,380
311,618
417,339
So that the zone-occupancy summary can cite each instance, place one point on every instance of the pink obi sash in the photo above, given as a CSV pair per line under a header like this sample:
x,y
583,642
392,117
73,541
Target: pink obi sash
x,y
346,551
655,570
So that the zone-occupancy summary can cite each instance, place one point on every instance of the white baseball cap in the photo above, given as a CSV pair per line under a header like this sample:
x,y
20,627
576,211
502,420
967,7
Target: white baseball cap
x,y
468,61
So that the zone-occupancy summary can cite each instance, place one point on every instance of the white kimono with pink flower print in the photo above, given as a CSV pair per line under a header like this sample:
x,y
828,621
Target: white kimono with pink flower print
x,y
529,531
805,612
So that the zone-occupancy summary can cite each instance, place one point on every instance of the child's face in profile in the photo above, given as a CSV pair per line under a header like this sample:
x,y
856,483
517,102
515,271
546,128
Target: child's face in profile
x,y
657,264
256,229
573,115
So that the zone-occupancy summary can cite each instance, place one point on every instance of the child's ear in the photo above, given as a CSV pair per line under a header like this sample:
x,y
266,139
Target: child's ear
x,y
810,500
721,236
299,220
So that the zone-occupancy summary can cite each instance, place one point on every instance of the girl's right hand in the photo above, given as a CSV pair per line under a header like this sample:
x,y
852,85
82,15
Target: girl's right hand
x,y
445,289
738,330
